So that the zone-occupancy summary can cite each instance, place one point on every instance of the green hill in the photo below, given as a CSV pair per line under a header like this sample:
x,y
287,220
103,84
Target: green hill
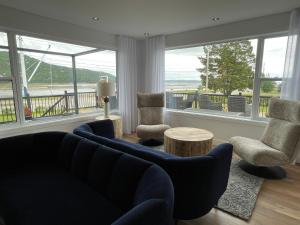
x,y
60,74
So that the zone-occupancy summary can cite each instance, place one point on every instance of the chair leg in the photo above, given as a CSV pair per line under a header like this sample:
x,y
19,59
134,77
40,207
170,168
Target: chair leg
x,y
273,172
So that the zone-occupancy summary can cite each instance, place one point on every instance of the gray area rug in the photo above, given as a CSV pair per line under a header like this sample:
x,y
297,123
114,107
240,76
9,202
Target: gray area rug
x,y
240,197
242,190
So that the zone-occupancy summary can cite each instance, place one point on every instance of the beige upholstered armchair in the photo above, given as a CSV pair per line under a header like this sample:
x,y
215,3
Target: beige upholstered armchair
x,y
279,144
151,127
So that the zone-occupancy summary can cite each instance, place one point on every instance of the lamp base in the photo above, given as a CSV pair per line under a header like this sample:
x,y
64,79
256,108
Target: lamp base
x,y
106,107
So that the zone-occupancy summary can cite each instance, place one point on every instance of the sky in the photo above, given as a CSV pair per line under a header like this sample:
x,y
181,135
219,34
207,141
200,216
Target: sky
x,y
181,64
103,61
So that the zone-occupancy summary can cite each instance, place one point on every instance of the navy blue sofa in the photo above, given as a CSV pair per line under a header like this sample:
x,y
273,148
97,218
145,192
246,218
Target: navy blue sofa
x,y
55,178
198,182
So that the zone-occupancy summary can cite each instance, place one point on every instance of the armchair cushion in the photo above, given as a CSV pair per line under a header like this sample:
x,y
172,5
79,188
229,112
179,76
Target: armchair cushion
x,y
282,135
285,110
151,115
257,153
151,131
150,100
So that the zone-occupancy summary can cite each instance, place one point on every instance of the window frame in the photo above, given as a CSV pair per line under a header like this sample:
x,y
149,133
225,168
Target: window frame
x,y
257,73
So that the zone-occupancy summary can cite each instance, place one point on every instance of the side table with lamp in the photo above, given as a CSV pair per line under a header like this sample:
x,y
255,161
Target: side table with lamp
x,y
106,89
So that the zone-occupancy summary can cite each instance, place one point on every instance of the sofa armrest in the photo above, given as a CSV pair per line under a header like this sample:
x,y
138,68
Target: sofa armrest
x,y
222,155
103,128
149,212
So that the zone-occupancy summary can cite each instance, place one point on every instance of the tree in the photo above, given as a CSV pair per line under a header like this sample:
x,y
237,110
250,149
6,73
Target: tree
x,y
230,66
267,86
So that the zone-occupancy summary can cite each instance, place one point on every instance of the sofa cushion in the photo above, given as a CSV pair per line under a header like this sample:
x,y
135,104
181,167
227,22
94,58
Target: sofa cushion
x,y
52,196
126,173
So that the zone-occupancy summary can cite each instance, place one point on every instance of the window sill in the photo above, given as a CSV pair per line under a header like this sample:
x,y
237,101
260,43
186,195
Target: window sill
x,y
223,118
11,129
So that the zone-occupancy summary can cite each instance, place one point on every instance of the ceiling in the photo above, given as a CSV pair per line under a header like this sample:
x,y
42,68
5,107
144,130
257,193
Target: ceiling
x,y
135,17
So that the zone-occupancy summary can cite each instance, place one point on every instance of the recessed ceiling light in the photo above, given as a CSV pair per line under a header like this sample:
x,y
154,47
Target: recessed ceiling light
x,y
95,18
215,19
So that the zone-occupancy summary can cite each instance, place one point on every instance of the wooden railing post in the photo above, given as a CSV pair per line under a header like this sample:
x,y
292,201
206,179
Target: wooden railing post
x,y
66,101
97,102
196,99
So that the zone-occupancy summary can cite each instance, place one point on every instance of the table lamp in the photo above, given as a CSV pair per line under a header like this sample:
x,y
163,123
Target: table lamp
x,y
106,89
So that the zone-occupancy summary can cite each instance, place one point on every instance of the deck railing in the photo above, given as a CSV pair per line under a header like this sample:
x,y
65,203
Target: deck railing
x,y
47,105
60,105
184,100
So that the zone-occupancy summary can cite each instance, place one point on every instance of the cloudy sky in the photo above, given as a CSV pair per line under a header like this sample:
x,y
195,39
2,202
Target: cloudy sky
x,y
99,61
181,64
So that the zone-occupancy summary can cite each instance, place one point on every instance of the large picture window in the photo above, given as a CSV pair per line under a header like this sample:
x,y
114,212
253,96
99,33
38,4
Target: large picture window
x,y
53,79
220,78
272,71
7,105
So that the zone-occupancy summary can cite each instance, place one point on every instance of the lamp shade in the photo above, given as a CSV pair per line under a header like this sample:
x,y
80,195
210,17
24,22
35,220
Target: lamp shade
x,y
105,88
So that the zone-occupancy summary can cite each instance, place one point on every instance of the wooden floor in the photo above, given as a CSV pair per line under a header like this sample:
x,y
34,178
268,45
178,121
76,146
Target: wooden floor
x,y
278,203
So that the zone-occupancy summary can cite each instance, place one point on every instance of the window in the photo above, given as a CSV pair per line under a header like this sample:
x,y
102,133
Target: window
x,y
272,71
219,78
3,39
50,86
51,79
215,78
90,68
47,85
7,106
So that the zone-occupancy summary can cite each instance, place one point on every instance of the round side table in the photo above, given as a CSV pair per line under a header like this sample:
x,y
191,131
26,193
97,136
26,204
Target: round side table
x,y
117,122
188,141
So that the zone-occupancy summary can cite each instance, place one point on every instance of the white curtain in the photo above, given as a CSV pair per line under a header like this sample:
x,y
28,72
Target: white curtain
x,y
128,75
154,77
291,77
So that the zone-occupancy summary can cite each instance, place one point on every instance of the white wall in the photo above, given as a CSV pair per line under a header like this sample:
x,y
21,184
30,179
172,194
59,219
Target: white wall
x,y
246,28
222,128
12,19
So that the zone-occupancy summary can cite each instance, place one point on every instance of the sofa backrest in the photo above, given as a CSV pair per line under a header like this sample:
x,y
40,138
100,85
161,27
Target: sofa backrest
x,y
29,150
119,177
198,181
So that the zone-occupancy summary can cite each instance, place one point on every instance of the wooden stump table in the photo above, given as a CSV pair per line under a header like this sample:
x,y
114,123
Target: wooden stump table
x,y
187,141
